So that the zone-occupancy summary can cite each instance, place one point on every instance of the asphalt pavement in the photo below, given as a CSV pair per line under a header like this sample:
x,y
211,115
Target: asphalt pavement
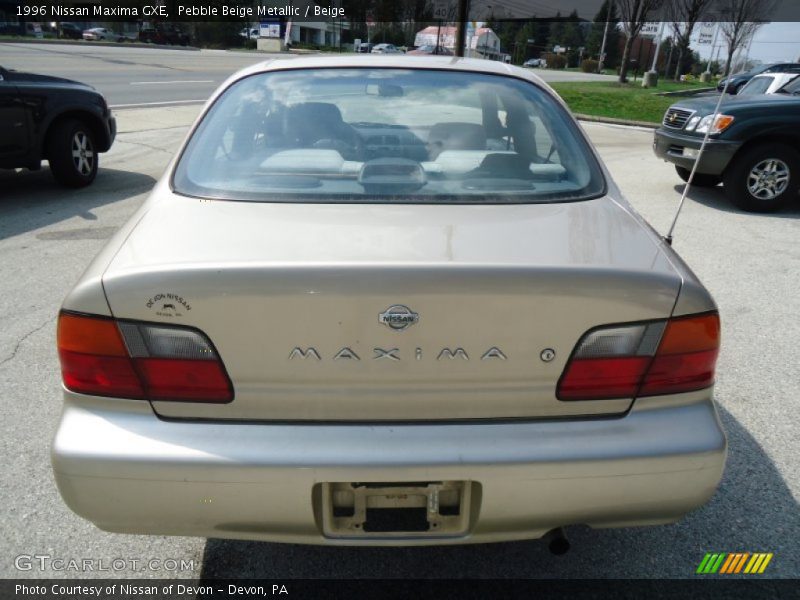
x,y
134,76
749,262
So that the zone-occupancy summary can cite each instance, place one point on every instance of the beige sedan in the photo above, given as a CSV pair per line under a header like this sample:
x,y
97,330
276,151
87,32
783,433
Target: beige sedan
x,y
386,301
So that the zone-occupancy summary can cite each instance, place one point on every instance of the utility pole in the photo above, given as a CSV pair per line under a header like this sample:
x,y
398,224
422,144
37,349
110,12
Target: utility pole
x,y
650,78
605,36
462,14
711,55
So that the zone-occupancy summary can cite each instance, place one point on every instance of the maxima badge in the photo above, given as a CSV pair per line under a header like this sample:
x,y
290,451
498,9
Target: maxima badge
x,y
398,317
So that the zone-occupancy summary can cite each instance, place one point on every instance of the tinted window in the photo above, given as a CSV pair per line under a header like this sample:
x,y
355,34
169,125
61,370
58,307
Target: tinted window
x,y
757,85
387,135
793,87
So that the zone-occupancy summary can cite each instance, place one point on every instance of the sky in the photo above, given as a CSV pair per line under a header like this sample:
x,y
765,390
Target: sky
x,y
773,42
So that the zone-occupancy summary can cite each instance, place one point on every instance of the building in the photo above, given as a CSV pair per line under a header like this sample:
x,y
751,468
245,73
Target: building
x,y
483,43
317,33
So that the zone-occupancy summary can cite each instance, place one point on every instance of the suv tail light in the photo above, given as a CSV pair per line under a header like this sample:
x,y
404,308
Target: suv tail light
x,y
126,359
643,359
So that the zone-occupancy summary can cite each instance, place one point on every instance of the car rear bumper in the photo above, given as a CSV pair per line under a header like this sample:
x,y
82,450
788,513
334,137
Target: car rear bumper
x,y
716,156
123,468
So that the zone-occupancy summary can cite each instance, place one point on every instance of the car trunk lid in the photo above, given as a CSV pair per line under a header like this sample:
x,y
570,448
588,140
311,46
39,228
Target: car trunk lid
x,y
391,312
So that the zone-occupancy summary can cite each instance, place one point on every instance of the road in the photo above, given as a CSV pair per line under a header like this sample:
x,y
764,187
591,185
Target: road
x,y
134,76
749,262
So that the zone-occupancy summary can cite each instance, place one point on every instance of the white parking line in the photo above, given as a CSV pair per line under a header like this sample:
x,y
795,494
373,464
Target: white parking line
x,y
170,82
164,103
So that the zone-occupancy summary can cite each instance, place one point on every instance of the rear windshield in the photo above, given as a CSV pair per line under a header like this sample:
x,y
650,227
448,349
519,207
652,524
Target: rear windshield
x,y
387,135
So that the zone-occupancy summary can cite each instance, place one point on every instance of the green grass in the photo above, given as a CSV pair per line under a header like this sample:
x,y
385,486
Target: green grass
x,y
621,101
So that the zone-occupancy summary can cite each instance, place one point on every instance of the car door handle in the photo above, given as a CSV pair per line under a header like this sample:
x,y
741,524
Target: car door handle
x,y
19,124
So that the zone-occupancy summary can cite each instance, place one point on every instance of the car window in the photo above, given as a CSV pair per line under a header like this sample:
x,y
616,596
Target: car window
x,y
757,85
793,87
387,135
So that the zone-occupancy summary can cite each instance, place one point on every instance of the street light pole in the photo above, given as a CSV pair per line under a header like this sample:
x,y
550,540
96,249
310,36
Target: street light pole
x,y
461,27
605,36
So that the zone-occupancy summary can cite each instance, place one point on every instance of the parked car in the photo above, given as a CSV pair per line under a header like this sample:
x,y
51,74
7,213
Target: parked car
x,y
738,80
428,50
11,29
535,62
249,33
753,146
767,83
165,35
386,49
420,322
365,47
48,118
99,33
71,31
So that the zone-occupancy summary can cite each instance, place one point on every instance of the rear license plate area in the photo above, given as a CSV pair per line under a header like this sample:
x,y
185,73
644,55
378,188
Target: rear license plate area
x,y
396,509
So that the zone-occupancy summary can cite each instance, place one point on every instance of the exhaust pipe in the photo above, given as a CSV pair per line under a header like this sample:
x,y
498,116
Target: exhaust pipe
x,y
557,541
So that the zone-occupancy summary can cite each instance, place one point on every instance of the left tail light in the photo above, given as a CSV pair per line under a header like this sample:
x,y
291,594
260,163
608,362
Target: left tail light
x,y
102,356
643,359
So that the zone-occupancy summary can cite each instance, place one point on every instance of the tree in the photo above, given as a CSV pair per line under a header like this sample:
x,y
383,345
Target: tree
x,y
740,19
634,15
683,16
573,38
542,36
557,31
528,32
594,41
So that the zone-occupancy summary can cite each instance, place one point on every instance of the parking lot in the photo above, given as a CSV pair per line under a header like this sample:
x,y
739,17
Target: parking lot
x,y
749,262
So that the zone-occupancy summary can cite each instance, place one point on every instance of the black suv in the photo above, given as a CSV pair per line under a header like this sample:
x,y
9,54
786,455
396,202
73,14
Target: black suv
x,y
164,34
753,147
47,118
71,31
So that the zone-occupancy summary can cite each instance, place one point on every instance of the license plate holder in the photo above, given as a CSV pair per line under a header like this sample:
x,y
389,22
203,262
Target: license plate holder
x,y
396,509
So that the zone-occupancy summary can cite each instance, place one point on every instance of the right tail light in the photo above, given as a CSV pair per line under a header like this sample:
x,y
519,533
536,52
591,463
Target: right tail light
x,y
643,359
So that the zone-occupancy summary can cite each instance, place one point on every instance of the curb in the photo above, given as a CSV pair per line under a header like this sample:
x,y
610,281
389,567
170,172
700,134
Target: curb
x,y
688,92
101,44
614,121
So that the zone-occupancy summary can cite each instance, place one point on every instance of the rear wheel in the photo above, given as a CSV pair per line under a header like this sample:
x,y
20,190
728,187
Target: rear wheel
x,y
700,179
71,153
764,178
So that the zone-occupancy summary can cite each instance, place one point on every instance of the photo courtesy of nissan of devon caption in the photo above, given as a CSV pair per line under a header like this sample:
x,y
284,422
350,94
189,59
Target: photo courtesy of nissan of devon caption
x,y
386,300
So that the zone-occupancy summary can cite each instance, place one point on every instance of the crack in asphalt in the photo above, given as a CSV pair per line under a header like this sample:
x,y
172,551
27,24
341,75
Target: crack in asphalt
x,y
25,337
148,146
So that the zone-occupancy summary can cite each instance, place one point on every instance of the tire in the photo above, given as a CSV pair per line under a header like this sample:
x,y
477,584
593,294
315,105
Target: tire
x,y
763,178
71,153
700,179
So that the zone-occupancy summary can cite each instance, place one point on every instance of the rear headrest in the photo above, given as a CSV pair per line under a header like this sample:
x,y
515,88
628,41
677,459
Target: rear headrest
x,y
316,112
455,136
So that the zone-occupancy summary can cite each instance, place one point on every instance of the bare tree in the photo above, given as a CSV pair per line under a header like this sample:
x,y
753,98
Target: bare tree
x,y
740,19
683,16
633,14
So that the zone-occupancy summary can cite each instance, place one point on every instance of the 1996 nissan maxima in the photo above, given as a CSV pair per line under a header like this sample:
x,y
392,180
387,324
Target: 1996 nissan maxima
x,y
386,300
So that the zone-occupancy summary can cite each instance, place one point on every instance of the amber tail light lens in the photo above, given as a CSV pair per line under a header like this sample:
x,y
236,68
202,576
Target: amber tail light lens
x,y
125,359
643,359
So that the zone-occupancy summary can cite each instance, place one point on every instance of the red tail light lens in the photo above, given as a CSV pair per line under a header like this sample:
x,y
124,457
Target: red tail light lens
x,y
628,361
125,359
686,357
94,359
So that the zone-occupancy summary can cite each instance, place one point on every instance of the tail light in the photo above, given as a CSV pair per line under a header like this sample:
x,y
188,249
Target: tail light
x,y
126,359
643,359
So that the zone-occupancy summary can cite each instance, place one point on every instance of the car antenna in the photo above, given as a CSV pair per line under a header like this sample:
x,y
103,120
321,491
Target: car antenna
x,y
668,237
